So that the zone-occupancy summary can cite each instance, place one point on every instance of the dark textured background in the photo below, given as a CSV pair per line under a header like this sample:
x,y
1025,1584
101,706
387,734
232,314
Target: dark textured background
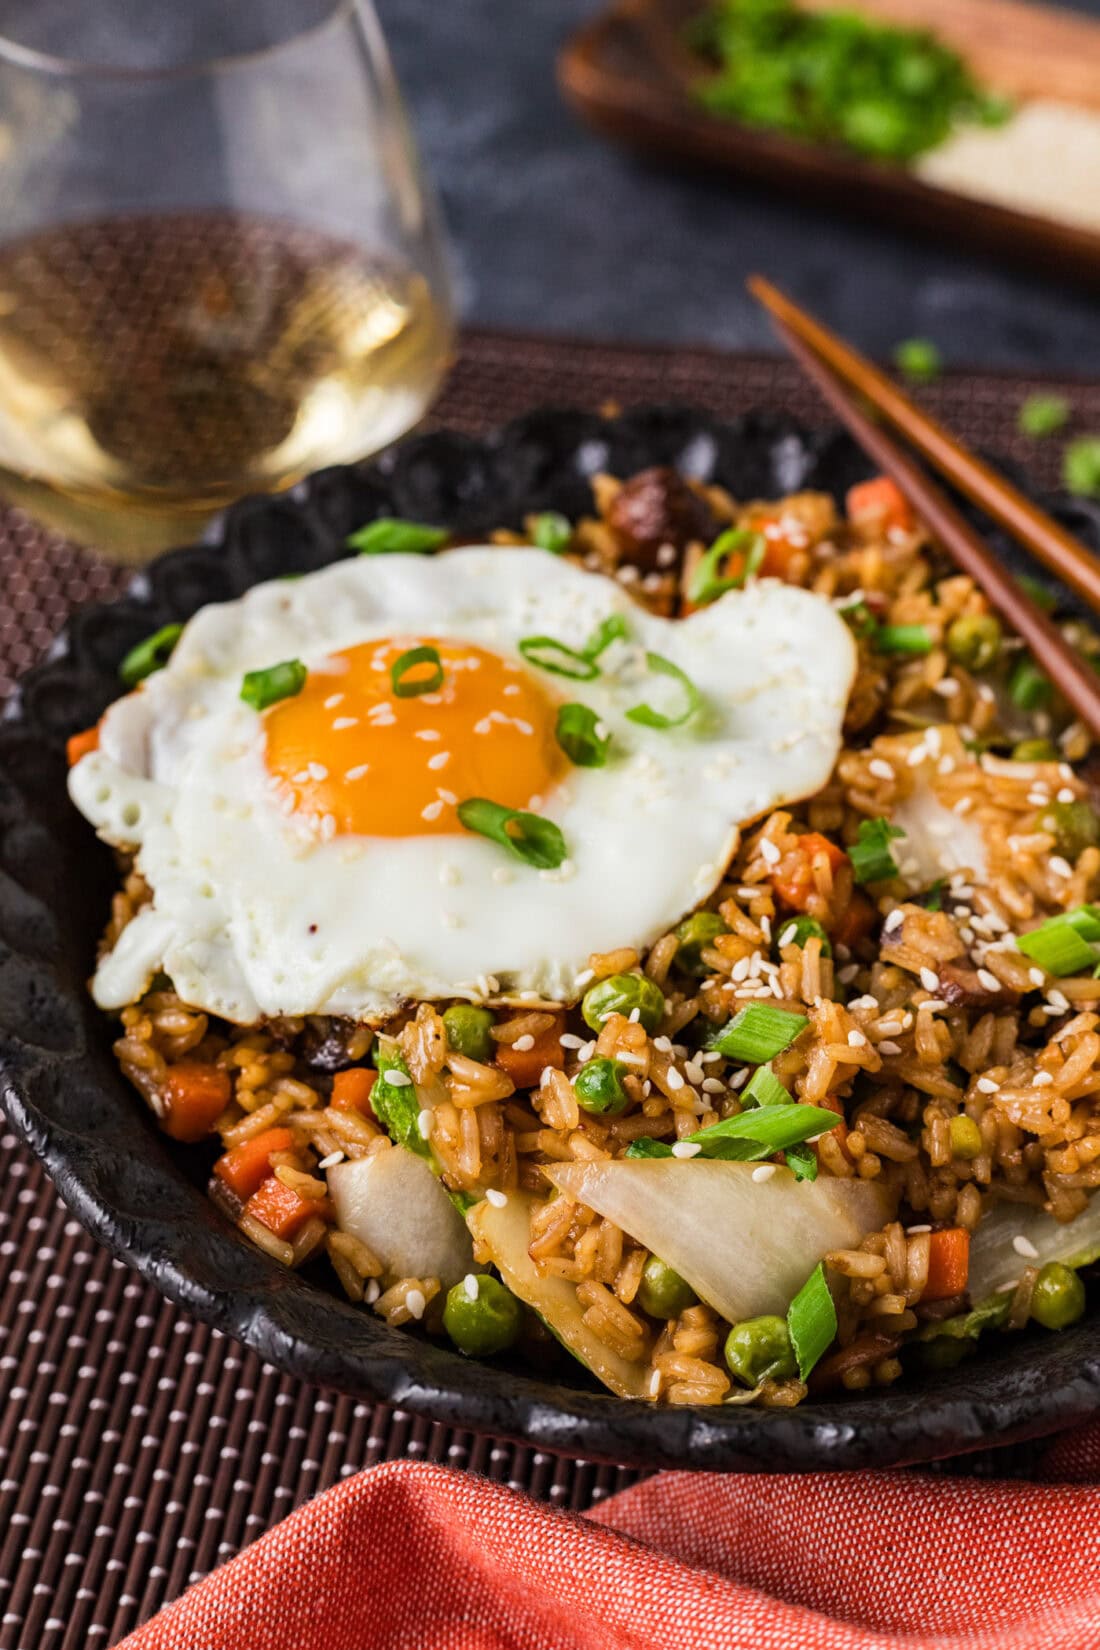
x,y
554,229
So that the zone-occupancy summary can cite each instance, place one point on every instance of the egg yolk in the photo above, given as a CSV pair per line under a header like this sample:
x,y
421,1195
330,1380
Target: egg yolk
x,y
350,750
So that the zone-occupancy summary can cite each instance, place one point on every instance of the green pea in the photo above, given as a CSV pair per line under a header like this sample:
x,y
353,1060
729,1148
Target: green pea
x,y
662,1292
482,1316
974,640
800,929
695,934
965,1137
760,1350
622,994
1034,750
1074,826
1058,1298
599,1087
467,1030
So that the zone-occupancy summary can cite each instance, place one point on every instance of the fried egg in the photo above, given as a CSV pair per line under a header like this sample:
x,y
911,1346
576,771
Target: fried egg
x,y
310,857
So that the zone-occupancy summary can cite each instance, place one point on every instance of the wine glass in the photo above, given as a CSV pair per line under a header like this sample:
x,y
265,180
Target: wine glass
x,y
220,265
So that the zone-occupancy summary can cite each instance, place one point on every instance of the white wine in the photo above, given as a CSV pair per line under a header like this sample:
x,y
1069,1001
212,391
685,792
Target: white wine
x,y
154,368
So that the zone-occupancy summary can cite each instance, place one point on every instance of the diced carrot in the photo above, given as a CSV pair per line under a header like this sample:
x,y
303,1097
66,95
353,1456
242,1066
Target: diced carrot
x,y
948,1264
282,1210
794,882
840,1132
245,1168
351,1090
82,744
883,498
197,1092
779,552
856,920
525,1066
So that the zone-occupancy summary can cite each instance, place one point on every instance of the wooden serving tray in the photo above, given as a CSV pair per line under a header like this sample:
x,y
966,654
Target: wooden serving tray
x,y
626,73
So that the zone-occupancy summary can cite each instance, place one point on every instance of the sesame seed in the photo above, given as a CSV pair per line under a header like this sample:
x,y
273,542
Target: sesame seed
x,y
693,1071
522,1044
674,1080
331,1160
333,700
864,1002
1042,1079
635,1016
1024,1246
343,722
449,875
946,688
655,1383
432,811
890,1028
439,760
317,771
769,851
917,755
470,1286
415,1302
788,934
686,1148
424,1124
448,797
896,919
880,768
450,919
929,979
1059,866
503,873
1058,1001
986,1085
569,1039
372,1291
427,733
886,1047
988,980
848,973
397,1079
916,1231
585,977
1066,794
763,1171
713,1085
497,1199
357,773
856,1039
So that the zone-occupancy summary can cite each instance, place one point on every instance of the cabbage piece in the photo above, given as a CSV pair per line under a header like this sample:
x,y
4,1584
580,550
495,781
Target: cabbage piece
x,y
995,1262
937,840
504,1234
395,1204
745,1246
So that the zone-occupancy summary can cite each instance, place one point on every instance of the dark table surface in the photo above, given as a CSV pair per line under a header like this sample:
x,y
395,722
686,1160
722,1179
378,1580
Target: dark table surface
x,y
554,229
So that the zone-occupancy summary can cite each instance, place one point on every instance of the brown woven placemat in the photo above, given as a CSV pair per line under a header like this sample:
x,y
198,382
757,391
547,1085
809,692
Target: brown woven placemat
x,y
138,1449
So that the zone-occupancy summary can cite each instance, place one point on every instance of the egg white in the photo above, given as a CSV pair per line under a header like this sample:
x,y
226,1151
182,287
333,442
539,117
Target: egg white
x,y
253,916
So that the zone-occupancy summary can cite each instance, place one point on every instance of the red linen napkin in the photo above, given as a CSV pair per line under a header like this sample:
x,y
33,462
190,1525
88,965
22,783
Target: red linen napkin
x,y
411,1556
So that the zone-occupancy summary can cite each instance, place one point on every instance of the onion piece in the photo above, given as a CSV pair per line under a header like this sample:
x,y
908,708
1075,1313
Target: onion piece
x,y
937,840
504,1233
394,1204
996,1262
746,1246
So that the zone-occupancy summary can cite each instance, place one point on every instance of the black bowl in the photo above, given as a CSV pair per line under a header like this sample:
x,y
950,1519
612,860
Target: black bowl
x,y
142,1196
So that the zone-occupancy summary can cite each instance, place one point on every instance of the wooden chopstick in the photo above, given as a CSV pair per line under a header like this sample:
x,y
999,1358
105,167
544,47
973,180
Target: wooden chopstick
x,y
1075,680
1048,541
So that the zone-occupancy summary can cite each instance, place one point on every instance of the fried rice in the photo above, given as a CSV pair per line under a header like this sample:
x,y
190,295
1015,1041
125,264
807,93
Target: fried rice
x,y
963,1075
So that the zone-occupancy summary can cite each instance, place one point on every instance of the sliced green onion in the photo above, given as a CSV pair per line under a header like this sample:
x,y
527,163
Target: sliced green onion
x,y
535,840
932,900
811,1321
392,536
612,629
396,1104
762,1131
1028,688
1086,920
871,858
410,661
262,688
645,1147
582,736
903,638
150,655
764,1089
798,930
859,619
753,1135
1060,946
552,531
919,360
707,582
758,1033
1042,415
802,1162
650,718
549,654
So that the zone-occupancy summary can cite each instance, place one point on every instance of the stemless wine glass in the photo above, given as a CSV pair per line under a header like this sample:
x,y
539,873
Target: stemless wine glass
x,y
220,267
